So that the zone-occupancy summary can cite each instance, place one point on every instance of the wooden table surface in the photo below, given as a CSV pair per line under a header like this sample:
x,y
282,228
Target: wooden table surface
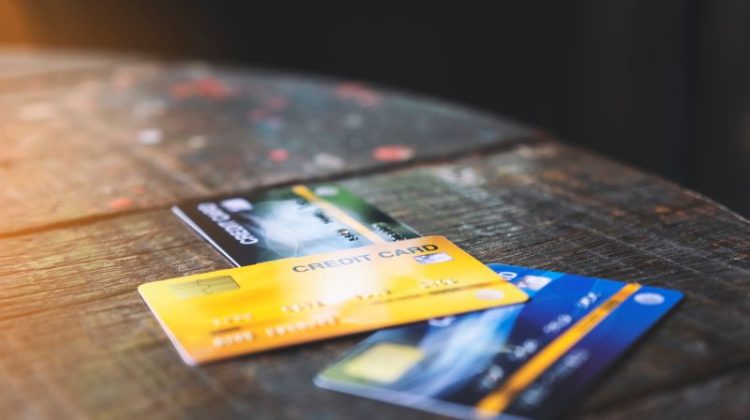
x,y
94,149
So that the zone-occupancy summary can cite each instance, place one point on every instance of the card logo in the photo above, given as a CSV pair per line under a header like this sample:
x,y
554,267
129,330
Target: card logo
x,y
533,283
437,257
649,299
235,205
508,275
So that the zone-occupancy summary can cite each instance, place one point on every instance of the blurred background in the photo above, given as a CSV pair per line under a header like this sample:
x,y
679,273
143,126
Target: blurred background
x,y
660,85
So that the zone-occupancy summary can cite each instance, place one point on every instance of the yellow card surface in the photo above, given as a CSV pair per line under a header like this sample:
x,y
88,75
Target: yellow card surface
x,y
280,303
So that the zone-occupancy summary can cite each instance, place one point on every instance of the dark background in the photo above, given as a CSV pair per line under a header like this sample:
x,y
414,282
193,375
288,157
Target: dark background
x,y
662,85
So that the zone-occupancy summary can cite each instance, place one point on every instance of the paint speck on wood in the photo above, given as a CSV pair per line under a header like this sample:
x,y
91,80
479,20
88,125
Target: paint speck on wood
x,y
208,87
278,155
150,136
328,160
393,153
120,203
359,93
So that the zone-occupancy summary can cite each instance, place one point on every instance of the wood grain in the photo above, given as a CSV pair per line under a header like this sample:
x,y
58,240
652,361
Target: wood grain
x,y
112,137
78,342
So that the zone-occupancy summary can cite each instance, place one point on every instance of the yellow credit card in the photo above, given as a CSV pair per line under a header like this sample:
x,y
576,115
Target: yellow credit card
x,y
280,303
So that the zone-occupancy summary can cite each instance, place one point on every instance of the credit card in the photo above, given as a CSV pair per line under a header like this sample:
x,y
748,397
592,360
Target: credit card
x,y
280,303
522,361
289,222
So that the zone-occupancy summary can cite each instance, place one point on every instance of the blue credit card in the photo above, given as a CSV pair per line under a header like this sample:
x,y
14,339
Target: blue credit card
x,y
527,361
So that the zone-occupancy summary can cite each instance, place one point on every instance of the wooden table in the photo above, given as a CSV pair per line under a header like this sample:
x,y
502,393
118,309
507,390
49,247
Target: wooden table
x,y
94,149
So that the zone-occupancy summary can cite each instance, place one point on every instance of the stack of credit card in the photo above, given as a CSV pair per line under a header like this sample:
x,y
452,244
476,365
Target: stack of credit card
x,y
316,262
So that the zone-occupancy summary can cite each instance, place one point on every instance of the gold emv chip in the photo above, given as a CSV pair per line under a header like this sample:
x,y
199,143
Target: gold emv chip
x,y
384,363
203,287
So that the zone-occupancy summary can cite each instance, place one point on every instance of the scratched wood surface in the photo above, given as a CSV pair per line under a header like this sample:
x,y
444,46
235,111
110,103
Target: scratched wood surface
x,y
136,134
76,341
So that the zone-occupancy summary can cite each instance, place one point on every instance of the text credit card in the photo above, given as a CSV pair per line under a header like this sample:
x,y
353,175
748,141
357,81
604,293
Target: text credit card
x,y
285,302
524,361
289,222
